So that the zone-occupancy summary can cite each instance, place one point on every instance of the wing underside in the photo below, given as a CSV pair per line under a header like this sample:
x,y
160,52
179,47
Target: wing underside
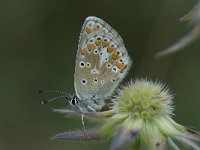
x,y
102,60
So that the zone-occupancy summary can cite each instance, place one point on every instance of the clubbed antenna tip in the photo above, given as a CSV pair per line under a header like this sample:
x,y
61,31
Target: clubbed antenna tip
x,y
44,102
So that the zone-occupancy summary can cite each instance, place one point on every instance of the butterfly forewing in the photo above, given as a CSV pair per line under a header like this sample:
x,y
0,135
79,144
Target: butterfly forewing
x,y
102,61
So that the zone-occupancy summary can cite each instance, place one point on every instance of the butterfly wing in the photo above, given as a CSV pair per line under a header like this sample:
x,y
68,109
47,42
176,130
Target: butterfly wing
x,y
101,62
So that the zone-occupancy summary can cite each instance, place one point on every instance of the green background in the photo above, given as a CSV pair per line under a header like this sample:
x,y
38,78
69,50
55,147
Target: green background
x,y
38,44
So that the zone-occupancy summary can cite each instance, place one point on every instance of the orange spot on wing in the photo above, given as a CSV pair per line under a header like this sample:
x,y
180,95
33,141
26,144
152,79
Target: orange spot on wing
x,y
98,42
111,49
115,56
120,65
122,70
90,47
96,29
88,30
105,44
83,51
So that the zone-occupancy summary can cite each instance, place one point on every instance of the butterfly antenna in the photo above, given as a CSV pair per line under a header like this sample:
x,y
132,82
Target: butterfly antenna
x,y
52,91
52,99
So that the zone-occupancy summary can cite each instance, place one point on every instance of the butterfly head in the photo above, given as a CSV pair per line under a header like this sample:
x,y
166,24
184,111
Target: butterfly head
x,y
73,100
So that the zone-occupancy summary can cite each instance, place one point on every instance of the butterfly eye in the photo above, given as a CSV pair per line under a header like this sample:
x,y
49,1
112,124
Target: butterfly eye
x,y
73,101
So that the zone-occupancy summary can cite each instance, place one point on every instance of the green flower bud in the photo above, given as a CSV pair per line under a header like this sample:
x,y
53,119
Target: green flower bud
x,y
141,117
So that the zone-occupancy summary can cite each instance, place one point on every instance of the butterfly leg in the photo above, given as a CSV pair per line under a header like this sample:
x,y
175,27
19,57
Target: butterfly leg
x,y
83,123
90,108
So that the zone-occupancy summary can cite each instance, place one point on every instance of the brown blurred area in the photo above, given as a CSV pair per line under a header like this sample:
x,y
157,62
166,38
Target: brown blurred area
x,y
38,44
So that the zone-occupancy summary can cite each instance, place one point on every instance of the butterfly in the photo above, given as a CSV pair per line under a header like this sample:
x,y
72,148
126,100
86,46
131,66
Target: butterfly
x,y
102,62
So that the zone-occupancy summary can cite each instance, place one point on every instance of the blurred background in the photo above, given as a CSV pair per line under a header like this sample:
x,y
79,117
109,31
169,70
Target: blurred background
x,y
38,44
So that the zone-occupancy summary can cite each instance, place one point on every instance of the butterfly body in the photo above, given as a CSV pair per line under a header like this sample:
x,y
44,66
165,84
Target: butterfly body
x,y
101,63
